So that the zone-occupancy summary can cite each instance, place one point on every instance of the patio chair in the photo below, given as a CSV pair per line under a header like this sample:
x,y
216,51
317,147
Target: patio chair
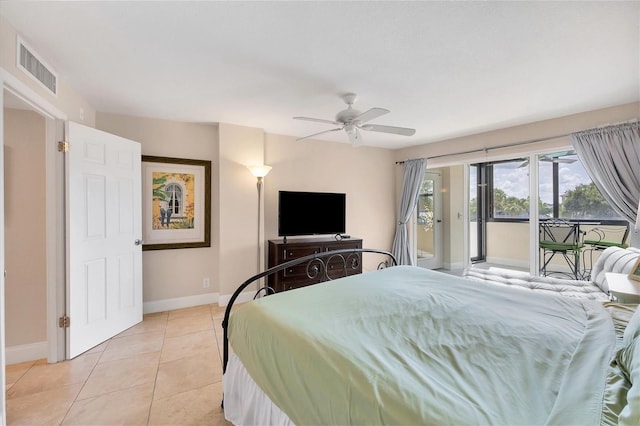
x,y
603,237
560,237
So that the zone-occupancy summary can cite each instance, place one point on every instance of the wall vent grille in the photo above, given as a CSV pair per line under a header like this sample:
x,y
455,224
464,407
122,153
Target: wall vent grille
x,y
30,63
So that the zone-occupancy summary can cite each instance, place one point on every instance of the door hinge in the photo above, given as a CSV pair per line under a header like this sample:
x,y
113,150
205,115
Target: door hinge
x,y
63,146
64,322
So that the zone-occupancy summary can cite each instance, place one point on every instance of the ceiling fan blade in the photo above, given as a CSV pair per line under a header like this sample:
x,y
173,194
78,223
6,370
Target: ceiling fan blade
x,y
317,120
404,131
371,114
320,133
355,137
550,159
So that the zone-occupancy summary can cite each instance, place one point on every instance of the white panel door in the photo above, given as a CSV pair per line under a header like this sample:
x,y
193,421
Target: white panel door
x,y
104,215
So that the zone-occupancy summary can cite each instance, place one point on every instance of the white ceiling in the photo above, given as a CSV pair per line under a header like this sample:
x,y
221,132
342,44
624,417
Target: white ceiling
x,y
445,68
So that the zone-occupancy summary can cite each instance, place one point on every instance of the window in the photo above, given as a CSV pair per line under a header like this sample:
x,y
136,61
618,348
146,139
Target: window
x,y
567,192
508,183
425,204
175,198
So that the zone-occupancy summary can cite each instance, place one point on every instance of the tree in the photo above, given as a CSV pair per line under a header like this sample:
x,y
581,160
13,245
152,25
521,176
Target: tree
x,y
585,201
509,206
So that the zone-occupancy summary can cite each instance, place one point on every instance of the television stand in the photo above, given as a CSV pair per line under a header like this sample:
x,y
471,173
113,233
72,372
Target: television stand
x,y
284,250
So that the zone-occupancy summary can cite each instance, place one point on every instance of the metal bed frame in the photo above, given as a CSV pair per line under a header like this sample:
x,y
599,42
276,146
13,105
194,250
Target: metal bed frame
x,y
318,267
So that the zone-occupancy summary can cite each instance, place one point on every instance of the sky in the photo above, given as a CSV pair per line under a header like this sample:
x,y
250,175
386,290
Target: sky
x,y
514,180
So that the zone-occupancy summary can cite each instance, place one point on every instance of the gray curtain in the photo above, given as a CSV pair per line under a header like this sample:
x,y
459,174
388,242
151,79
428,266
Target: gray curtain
x,y
412,180
611,157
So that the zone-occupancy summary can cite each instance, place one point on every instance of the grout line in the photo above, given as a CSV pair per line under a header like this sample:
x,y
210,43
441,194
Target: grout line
x,y
75,399
155,381
6,389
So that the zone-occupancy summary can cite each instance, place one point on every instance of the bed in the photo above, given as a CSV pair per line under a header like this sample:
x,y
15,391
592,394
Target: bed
x,y
405,345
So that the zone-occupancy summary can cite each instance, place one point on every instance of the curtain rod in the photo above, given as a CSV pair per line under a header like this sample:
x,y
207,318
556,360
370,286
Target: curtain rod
x,y
507,145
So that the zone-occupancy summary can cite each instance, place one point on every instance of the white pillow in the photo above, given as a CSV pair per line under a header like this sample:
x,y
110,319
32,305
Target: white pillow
x,y
613,259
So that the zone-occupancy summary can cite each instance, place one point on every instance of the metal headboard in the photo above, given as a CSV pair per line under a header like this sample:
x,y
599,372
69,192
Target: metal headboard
x,y
317,268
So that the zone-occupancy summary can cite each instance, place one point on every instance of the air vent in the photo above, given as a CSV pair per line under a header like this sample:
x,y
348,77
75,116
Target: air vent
x,y
31,64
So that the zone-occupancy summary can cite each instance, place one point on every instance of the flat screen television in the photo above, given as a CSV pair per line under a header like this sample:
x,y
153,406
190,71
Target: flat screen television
x,y
311,213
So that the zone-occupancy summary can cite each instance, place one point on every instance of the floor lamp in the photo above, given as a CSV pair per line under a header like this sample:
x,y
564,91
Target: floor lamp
x,y
259,172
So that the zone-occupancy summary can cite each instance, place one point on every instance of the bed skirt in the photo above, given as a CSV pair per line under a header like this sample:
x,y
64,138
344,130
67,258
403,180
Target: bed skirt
x,y
244,401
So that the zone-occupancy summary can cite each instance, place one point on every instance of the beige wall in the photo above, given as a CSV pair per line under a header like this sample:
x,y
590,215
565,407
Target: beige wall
x,y
75,107
25,256
508,243
365,174
238,204
171,274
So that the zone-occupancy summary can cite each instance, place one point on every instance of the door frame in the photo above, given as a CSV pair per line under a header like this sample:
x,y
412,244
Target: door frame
x,y
482,212
54,210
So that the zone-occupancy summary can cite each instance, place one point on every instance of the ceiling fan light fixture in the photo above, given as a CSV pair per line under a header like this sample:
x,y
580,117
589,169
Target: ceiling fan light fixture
x,y
350,129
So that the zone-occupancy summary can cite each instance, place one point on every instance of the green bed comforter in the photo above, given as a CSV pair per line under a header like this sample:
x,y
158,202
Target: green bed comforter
x,y
411,346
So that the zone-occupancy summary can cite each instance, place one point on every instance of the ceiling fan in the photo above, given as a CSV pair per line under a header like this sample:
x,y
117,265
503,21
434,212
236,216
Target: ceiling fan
x,y
352,121
556,157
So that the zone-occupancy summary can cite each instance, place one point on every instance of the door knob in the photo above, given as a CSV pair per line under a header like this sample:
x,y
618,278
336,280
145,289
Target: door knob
x,y
137,242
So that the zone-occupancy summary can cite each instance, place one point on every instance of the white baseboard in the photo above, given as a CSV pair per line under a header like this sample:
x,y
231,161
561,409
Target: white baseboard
x,y
190,301
524,264
24,353
180,303
453,266
245,296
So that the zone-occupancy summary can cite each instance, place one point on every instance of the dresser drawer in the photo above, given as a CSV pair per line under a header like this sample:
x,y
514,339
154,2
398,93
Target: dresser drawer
x,y
294,252
299,271
292,284
343,245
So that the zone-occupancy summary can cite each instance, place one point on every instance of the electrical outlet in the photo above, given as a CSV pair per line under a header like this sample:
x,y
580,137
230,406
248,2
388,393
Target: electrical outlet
x,y
206,283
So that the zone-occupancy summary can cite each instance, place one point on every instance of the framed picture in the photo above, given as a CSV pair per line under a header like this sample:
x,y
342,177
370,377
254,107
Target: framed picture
x,y
635,271
176,203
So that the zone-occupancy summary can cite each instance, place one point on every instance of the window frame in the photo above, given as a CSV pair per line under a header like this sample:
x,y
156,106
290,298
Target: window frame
x,y
489,203
486,172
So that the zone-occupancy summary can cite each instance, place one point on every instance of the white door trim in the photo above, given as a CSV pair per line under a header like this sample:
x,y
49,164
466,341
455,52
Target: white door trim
x,y
438,256
54,212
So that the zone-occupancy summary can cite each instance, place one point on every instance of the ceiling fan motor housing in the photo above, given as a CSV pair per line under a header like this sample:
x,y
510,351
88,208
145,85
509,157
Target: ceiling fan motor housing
x,y
347,115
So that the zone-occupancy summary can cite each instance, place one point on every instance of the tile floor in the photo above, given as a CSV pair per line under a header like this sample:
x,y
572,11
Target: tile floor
x,y
166,370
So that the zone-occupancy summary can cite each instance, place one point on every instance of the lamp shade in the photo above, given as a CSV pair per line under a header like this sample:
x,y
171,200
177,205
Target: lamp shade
x,y
259,171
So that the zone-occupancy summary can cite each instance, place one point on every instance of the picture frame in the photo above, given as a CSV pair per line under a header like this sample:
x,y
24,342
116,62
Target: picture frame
x,y
176,203
634,274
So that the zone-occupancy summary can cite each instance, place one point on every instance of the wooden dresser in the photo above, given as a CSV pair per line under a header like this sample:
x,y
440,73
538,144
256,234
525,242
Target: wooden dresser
x,y
296,276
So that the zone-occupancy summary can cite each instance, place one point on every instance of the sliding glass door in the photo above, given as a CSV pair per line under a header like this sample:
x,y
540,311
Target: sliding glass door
x,y
500,232
499,213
